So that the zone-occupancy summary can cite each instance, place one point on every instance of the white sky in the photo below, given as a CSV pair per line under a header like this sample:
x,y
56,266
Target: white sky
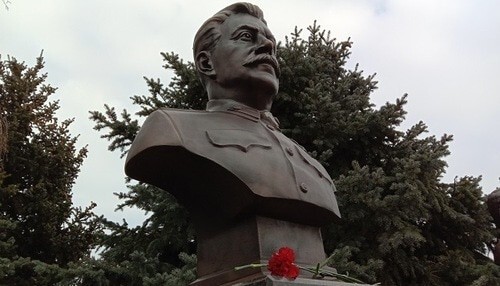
x,y
444,54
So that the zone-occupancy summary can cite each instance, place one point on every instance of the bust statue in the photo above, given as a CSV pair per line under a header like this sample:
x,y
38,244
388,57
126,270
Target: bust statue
x,y
245,184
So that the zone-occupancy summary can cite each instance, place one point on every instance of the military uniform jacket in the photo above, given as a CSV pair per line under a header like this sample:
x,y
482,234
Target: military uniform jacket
x,y
234,159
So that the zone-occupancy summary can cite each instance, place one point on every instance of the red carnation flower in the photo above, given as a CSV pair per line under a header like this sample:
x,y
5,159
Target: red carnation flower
x,y
282,263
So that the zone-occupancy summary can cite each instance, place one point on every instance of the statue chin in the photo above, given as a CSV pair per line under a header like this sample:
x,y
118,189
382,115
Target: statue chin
x,y
262,91
267,82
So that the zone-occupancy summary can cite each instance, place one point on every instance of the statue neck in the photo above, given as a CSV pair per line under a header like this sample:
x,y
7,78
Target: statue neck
x,y
245,96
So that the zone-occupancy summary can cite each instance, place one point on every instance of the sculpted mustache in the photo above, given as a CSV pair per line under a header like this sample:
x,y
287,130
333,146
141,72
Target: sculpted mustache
x,y
264,58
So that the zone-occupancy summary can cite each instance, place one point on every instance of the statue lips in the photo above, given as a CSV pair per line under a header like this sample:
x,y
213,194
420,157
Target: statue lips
x,y
266,61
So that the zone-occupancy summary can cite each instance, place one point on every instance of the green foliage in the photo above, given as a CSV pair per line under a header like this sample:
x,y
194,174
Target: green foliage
x,y
137,269
41,233
166,237
122,131
401,224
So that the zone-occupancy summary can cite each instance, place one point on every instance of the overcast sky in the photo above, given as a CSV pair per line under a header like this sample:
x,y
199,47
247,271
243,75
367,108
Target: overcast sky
x,y
444,54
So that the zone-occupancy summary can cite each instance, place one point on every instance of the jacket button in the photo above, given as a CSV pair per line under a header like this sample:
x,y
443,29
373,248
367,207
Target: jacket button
x,y
289,151
304,188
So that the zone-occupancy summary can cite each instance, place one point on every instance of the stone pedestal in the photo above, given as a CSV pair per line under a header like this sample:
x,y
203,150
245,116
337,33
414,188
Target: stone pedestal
x,y
252,240
275,281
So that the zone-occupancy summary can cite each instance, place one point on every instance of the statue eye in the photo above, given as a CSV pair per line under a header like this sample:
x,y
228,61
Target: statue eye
x,y
246,36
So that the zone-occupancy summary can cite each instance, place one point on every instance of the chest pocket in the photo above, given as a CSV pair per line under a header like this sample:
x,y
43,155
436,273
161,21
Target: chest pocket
x,y
235,138
322,173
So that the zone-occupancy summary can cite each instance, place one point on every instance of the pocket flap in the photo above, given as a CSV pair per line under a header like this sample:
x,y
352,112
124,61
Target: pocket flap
x,y
240,139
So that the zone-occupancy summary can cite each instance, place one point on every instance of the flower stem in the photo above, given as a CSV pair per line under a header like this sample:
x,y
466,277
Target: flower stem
x,y
316,271
323,272
325,262
253,265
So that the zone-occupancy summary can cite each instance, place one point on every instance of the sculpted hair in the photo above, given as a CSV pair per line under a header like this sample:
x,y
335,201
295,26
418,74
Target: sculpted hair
x,y
209,33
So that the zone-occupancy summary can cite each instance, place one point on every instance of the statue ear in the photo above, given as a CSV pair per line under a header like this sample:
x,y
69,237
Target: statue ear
x,y
204,64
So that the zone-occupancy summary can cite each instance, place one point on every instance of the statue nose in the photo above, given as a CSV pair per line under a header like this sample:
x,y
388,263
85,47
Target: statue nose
x,y
265,46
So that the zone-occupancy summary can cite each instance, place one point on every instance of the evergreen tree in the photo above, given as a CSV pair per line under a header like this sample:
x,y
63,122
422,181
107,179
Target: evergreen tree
x,y
41,233
401,224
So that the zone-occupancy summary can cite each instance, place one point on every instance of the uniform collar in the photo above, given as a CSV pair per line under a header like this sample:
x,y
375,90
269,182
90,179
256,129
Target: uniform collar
x,y
242,110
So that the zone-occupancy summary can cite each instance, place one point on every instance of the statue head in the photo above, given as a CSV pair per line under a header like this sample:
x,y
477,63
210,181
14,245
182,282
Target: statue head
x,y
235,56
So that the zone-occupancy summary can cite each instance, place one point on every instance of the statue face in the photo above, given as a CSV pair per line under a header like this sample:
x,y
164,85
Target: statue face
x,y
245,57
